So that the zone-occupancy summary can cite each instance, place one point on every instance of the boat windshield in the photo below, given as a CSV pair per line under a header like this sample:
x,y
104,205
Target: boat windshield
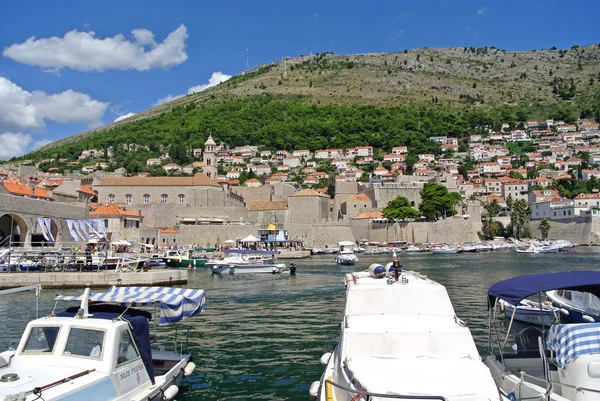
x,y
41,339
85,343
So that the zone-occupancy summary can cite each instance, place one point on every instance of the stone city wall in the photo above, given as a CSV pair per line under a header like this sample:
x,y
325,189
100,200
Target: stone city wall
x,y
580,230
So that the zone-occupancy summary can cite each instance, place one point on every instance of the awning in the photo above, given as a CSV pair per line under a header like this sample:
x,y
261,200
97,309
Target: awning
x,y
229,241
175,303
250,238
514,290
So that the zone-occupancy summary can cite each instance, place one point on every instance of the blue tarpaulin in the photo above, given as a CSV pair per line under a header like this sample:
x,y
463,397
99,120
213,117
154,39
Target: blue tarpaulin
x,y
514,290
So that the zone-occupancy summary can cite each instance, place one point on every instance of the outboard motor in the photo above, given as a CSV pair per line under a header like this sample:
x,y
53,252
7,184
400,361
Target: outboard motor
x,y
527,342
292,269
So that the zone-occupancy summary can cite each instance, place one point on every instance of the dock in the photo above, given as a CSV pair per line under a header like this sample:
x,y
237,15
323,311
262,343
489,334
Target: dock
x,y
166,277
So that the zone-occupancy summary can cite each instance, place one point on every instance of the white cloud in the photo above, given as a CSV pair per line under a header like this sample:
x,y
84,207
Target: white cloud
x,y
124,116
38,144
397,35
481,10
215,79
82,51
13,144
21,109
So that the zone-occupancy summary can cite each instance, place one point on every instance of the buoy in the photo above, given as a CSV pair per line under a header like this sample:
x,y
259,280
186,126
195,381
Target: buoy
x,y
189,266
189,369
170,392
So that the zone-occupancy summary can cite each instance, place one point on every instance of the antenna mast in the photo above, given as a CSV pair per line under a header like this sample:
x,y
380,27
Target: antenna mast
x,y
247,55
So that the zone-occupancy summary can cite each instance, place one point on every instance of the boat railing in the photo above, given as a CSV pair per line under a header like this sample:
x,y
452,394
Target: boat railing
x,y
367,394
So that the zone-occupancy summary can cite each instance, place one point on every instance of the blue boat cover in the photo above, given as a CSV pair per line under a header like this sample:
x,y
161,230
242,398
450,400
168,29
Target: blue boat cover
x,y
569,341
250,252
514,290
175,303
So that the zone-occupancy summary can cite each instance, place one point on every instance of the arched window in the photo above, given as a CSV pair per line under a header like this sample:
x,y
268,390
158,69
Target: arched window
x,y
164,198
208,162
128,199
181,199
146,199
111,198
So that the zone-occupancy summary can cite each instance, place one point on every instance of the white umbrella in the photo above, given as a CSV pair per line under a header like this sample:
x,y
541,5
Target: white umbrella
x,y
250,238
229,241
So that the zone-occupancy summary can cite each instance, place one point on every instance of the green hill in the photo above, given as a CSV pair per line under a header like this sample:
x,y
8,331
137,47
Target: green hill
x,y
384,100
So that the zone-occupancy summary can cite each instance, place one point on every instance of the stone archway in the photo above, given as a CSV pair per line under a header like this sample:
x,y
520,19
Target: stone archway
x,y
13,230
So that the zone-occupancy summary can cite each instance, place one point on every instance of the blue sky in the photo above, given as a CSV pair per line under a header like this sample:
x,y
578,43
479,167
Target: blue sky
x,y
70,65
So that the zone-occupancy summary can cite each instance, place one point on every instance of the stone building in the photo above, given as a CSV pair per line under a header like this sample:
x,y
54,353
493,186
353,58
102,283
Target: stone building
x,y
308,206
120,223
210,158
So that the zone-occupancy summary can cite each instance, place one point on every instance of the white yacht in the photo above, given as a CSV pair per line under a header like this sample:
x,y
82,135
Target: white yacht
x,y
240,261
400,338
101,352
346,255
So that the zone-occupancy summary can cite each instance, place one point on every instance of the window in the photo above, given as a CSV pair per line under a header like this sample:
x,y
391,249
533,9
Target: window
x,y
85,343
181,199
146,199
111,198
41,340
128,199
127,349
164,198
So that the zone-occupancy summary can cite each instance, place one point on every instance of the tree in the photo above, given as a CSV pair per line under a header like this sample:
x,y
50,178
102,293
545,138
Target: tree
x,y
493,208
437,202
518,216
400,208
544,228
516,175
509,201
410,160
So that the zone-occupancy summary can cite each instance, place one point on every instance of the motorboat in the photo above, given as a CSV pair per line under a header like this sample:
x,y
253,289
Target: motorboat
x,y
346,255
576,306
556,363
243,261
101,351
400,338
413,249
183,258
536,247
530,312
445,249
469,247
483,247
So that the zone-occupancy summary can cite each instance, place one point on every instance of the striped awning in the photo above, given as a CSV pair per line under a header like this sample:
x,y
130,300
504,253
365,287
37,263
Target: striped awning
x,y
175,303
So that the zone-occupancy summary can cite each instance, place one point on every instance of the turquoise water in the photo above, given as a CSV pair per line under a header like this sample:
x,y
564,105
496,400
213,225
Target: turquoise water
x,y
261,337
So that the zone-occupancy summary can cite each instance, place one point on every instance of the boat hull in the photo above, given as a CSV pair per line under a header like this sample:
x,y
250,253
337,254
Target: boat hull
x,y
249,269
530,314
176,262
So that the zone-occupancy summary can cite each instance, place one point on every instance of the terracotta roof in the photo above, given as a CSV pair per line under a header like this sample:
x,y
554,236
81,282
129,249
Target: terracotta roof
x,y
111,210
369,215
268,205
359,198
252,180
23,190
169,231
309,192
199,179
86,190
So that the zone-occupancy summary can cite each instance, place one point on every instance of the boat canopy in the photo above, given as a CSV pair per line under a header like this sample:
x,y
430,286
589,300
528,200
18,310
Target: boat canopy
x,y
346,243
250,252
514,290
175,303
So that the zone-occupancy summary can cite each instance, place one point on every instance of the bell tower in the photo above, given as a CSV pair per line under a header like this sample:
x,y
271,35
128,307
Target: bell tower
x,y
210,158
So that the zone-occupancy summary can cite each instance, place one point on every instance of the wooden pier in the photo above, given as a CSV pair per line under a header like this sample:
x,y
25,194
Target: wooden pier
x,y
166,277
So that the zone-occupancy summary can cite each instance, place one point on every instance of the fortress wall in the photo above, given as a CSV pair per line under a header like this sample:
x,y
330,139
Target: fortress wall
x,y
449,230
579,230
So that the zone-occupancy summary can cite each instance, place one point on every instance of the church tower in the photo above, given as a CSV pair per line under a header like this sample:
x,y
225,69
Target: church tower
x,y
210,158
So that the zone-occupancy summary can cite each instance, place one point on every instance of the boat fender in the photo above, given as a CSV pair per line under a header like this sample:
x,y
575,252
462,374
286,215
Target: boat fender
x,y
588,318
314,389
564,311
189,369
389,267
376,270
170,393
501,305
325,358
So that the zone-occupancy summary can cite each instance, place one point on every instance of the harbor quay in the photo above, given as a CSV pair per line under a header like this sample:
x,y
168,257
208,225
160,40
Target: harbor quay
x,y
94,279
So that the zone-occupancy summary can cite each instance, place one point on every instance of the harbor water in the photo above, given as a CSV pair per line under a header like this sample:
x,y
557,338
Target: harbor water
x,y
261,337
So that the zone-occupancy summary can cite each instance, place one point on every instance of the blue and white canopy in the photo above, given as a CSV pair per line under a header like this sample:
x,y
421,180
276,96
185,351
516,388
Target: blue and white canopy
x,y
175,303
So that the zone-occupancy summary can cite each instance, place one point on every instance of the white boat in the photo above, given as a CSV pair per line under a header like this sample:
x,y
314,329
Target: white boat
x,y
413,249
483,247
530,312
444,249
576,306
560,363
536,247
247,261
346,255
400,338
101,352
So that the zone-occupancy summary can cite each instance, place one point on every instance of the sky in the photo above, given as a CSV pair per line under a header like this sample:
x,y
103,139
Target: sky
x,y
68,66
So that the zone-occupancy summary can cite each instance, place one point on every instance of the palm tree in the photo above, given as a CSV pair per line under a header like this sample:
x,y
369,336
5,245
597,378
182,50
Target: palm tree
x,y
509,201
518,216
544,228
